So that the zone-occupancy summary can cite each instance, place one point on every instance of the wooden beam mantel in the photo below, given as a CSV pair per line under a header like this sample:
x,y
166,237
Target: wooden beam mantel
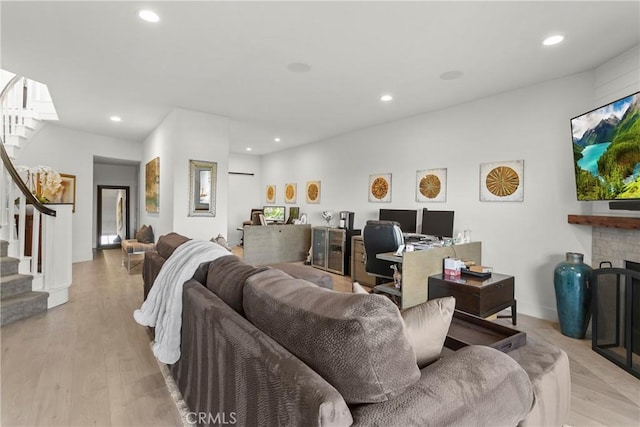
x,y
629,223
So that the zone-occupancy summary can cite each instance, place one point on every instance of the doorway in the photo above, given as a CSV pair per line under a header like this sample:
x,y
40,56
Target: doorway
x,y
113,216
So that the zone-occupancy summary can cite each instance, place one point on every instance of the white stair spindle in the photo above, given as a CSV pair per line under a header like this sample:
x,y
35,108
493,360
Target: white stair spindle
x,y
35,242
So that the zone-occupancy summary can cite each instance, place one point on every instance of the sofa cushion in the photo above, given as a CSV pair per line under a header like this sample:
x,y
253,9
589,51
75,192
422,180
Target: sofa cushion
x,y
426,327
355,342
168,243
145,234
307,273
226,278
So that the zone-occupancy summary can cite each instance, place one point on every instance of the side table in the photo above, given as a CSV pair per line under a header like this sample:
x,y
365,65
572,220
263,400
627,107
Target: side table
x,y
481,297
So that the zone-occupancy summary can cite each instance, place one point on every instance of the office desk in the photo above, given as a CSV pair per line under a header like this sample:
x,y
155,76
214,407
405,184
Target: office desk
x,y
417,266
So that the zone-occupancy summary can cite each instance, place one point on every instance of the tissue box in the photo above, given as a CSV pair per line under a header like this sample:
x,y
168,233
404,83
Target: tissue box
x,y
452,268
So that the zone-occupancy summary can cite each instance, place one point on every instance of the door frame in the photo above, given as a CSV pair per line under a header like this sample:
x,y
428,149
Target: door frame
x,y
126,189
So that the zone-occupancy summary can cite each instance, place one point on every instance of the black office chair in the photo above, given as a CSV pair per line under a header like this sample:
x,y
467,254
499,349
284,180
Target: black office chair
x,y
379,237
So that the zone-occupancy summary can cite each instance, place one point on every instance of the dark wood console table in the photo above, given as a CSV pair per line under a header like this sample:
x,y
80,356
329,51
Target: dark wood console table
x,y
477,296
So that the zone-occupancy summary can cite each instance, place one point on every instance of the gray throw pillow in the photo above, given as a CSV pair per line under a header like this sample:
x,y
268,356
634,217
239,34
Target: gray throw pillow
x,y
357,288
145,234
355,342
426,327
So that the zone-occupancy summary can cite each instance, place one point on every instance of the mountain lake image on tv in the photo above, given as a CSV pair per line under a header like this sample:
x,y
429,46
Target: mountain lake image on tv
x,y
606,151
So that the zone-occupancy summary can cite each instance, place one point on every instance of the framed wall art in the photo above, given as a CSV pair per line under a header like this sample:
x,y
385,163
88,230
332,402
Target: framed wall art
x,y
270,195
290,193
152,186
69,192
431,185
313,191
502,181
202,188
380,188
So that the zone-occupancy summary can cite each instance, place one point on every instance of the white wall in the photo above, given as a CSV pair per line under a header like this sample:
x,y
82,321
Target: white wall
x,y
182,136
120,175
525,239
71,151
245,192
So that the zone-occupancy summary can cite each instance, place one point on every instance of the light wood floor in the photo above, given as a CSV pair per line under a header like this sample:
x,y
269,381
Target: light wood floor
x,y
87,363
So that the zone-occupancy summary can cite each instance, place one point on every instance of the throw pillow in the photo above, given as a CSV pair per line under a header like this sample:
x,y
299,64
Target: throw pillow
x,y
426,326
357,288
221,241
355,342
169,243
145,234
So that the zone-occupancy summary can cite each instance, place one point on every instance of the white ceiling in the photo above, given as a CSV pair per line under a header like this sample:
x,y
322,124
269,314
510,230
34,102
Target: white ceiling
x,y
230,59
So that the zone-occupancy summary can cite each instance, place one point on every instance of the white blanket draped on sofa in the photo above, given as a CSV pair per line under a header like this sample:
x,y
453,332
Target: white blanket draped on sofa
x,y
163,307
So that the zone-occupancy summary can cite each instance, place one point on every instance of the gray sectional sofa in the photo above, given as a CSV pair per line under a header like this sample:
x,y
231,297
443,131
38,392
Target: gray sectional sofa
x,y
264,348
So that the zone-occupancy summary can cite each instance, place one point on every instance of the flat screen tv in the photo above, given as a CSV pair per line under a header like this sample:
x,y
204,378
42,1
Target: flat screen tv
x,y
407,218
437,223
274,213
606,151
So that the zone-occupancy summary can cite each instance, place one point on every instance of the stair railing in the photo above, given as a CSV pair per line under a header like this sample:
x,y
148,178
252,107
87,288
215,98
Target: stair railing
x,y
12,99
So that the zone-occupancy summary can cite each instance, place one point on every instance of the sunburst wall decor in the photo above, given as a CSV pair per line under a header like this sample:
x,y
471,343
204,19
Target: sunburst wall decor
x,y
290,193
380,188
313,191
431,185
502,181
270,195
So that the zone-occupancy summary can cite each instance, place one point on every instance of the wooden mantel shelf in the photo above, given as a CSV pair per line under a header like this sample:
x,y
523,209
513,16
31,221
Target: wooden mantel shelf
x,y
629,223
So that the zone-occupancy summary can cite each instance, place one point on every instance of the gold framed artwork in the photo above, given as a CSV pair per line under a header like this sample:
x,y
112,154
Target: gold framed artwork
x,y
313,191
69,189
152,186
270,194
502,181
290,193
380,188
431,185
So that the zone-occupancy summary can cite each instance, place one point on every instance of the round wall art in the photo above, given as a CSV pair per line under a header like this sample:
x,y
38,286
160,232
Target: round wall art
x,y
290,193
271,194
313,191
502,181
380,187
431,185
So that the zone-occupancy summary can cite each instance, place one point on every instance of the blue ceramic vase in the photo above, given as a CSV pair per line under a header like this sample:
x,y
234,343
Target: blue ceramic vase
x,y
572,281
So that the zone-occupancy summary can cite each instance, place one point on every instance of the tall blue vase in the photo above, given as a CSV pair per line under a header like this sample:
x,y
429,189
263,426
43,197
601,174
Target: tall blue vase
x,y
572,281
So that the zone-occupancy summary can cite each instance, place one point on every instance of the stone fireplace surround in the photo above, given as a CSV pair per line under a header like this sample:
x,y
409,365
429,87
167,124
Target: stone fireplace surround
x,y
616,245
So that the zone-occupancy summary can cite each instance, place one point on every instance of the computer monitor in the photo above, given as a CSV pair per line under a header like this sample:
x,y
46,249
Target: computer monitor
x,y
437,223
407,218
294,213
274,213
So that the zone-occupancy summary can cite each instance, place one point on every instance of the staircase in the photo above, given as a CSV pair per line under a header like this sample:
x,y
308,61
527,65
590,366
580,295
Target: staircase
x,y
17,300
29,284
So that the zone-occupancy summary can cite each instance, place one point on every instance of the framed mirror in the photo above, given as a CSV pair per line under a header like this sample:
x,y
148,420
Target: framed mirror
x,y
202,191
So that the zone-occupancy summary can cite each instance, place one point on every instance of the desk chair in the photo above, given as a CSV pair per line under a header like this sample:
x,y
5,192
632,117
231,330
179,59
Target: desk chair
x,y
252,220
255,220
379,237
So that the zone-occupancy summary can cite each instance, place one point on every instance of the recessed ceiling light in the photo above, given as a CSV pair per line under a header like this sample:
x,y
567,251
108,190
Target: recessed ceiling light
x,y
386,98
249,148
148,15
115,118
451,75
299,67
550,41
276,139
